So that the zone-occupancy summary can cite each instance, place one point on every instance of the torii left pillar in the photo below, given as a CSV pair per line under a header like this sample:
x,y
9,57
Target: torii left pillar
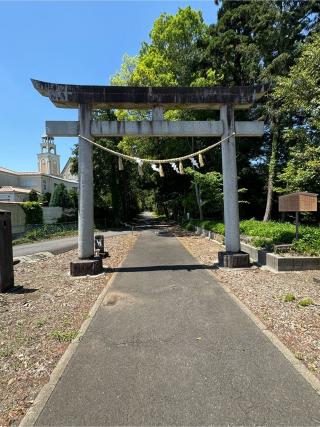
x,y
232,256
87,262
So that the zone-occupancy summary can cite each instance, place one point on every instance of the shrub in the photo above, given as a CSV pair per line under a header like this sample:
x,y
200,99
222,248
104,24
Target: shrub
x,y
45,199
274,232
267,234
305,302
60,197
262,242
33,212
309,241
73,195
288,298
188,226
215,226
33,196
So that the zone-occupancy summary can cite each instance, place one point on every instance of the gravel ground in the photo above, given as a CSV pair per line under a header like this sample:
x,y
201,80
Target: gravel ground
x,y
37,324
263,292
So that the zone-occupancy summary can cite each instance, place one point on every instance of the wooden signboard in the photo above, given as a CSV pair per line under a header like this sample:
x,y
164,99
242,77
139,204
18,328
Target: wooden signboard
x,y
298,202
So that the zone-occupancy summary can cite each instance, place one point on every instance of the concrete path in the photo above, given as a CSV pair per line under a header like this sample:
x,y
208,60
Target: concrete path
x,y
176,350
56,246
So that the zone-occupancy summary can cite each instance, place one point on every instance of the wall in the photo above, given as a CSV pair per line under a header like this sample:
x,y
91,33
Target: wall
x,y
31,181
66,172
39,182
53,182
7,178
14,196
51,214
18,217
6,197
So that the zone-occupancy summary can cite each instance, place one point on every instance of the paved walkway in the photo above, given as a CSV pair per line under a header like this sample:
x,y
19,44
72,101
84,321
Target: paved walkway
x,y
176,351
56,246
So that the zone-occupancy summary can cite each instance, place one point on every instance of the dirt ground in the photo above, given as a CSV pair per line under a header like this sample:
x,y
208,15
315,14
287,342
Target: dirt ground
x,y
38,322
263,292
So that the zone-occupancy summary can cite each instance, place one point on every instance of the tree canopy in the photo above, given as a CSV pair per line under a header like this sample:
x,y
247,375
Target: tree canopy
x,y
253,41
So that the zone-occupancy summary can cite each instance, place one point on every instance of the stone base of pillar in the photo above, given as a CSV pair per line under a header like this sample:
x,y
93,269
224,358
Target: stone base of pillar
x,y
104,254
86,267
233,259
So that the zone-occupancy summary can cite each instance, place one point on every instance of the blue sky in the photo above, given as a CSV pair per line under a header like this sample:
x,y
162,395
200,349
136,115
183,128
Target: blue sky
x,y
68,42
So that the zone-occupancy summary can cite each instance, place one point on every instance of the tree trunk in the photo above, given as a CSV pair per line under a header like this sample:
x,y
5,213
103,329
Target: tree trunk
x,y
197,189
272,169
199,201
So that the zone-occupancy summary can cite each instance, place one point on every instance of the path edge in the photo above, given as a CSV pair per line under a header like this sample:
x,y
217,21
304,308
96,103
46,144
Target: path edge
x,y
44,394
287,353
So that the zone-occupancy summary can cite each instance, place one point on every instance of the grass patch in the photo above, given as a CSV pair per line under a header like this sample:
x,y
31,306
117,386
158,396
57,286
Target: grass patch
x,y
267,234
64,336
47,231
288,298
41,322
304,302
5,352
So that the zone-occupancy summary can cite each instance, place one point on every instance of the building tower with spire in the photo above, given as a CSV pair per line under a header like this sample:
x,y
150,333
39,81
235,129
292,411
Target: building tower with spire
x,y
48,159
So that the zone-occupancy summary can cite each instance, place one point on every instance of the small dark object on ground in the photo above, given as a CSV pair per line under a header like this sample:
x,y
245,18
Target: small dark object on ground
x,y
99,246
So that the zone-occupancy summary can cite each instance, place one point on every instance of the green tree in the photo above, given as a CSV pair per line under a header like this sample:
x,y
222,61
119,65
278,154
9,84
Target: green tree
x,y
45,199
256,41
114,190
298,97
299,91
33,196
73,195
124,76
33,212
170,58
209,196
302,172
60,197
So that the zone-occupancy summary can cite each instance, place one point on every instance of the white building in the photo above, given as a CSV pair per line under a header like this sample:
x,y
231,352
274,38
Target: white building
x,y
16,186
8,193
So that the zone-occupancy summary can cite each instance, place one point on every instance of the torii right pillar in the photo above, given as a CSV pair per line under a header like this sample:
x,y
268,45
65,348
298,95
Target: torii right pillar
x,y
232,257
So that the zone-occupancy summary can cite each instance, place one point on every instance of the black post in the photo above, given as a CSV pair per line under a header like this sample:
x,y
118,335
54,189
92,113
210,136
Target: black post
x,y
6,257
297,225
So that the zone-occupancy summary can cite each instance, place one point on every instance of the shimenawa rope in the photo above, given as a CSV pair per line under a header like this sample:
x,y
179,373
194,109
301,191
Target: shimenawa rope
x,y
156,161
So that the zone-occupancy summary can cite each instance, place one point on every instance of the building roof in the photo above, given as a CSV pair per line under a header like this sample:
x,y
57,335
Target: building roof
x,y
2,169
35,174
130,97
66,166
10,189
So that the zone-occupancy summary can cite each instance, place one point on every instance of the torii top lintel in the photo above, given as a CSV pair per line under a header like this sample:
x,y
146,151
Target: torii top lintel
x,y
128,97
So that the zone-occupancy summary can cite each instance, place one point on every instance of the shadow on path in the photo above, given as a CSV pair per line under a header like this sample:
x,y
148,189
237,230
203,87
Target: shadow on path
x,y
188,267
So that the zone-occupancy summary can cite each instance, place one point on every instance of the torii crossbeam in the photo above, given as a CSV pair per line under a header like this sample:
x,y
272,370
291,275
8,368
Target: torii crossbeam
x,y
87,98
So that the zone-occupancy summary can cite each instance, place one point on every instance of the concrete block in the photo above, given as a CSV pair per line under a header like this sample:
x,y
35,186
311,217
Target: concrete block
x,y
85,267
279,263
233,260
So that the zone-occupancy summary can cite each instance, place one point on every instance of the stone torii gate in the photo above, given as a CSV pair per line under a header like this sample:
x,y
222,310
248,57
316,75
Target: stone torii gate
x,y
87,98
